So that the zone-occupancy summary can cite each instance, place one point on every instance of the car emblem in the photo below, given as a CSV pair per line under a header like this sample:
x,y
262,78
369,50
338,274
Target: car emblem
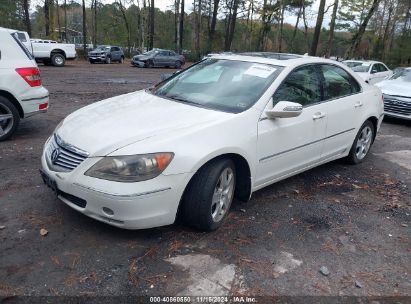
x,y
55,155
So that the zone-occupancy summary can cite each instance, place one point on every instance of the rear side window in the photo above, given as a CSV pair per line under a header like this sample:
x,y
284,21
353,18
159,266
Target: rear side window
x,y
302,85
338,83
21,45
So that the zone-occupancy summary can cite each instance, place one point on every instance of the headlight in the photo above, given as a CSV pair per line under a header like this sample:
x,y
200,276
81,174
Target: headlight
x,y
130,168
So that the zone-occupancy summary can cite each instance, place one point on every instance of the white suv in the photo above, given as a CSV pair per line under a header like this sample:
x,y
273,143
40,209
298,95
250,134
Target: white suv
x,y
223,128
21,90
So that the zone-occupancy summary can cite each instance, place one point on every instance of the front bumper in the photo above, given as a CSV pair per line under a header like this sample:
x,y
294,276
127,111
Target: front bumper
x,y
97,58
397,115
139,205
139,64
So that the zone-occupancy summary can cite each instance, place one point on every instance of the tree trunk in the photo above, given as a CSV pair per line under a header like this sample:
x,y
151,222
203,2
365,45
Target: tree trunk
x,y
263,27
26,6
151,41
181,27
47,17
123,13
95,24
280,38
332,27
84,30
233,20
300,9
197,27
385,37
305,28
358,36
177,24
58,18
211,32
317,31
65,20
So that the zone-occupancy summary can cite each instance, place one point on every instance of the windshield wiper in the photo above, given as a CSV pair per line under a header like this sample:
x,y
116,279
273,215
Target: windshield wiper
x,y
179,98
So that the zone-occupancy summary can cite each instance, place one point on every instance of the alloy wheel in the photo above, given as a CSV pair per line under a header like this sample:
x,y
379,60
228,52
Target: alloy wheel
x,y
363,142
223,195
6,120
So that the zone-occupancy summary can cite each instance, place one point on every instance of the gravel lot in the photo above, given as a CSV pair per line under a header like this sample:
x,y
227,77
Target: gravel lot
x,y
353,220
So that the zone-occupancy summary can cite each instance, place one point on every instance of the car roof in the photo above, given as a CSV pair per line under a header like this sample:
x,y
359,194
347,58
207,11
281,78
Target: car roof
x,y
292,62
363,61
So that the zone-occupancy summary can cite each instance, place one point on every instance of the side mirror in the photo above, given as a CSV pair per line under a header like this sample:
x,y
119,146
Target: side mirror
x,y
285,109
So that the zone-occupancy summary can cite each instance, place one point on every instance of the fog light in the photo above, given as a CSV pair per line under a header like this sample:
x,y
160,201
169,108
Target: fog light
x,y
108,211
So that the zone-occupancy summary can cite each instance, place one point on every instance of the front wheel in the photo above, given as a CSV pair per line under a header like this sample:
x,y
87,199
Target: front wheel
x,y
108,60
209,195
149,64
362,143
177,64
9,118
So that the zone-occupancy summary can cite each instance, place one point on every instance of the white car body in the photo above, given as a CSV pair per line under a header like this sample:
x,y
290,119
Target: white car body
x,y
28,100
44,50
376,71
273,149
397,96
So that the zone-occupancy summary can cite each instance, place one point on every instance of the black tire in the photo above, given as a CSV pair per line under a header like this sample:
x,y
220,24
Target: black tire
x,y
108,60
196,205
121,60
91,61
177,64
7,128
47,62
354,157
149,64
58,60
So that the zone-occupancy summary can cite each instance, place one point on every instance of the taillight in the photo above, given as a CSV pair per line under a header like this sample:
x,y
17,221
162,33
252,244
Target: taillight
x,y
30,75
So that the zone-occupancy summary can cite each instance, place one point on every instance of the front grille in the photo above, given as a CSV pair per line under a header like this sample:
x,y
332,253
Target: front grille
x,y
62,156
397,105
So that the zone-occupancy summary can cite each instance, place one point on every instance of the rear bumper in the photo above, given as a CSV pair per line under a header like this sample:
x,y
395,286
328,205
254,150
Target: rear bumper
x,y
31,102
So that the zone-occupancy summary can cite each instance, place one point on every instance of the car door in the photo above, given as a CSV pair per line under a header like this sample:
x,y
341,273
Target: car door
x,y
287,145
114,53
376,74
345,109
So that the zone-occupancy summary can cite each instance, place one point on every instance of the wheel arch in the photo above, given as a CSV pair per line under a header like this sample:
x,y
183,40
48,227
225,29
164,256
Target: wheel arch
x,y
243,174
374,121
58,51
14,101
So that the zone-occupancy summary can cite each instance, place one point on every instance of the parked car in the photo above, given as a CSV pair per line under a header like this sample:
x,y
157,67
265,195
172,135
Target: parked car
x,y
48,52
222,128
397,94
21,90
371,71
159,58
106,54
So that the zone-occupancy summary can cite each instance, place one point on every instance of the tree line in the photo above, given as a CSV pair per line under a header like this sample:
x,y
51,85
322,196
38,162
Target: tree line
x,y
369,29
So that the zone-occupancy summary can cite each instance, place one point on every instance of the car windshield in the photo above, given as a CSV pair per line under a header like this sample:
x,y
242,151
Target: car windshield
x,y
363,68
225,85
149,53
352,64
102,48
403,75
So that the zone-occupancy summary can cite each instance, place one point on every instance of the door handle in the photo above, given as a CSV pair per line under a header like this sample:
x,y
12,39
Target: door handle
x,y
358,104
318,115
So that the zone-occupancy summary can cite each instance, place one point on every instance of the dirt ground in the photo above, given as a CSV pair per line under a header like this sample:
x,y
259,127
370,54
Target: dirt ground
x,y
353,220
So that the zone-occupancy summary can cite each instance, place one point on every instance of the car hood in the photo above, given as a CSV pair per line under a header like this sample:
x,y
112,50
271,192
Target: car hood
x,y
109,125
141,57
395,87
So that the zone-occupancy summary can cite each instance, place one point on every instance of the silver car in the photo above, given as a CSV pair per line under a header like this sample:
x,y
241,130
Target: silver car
x,y
159,58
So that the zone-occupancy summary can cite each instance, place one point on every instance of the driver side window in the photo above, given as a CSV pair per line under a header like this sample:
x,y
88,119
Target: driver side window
x,y
301,85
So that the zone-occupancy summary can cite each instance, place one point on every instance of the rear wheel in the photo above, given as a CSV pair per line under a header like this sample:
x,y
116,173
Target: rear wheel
x,y
58,60
9,118
209,195
362,143
122,59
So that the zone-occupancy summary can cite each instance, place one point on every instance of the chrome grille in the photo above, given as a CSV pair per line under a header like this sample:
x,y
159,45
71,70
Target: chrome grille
x,y
62,156
397,105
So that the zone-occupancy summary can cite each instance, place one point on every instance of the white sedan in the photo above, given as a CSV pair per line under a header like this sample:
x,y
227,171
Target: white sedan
x,y
371,71
223,128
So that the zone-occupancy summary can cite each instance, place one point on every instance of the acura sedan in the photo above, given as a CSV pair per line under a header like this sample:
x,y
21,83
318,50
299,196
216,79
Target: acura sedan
x,y
221,129
397,94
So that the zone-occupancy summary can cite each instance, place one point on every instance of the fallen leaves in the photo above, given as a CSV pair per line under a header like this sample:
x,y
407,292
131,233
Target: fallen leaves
x,y
43,232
